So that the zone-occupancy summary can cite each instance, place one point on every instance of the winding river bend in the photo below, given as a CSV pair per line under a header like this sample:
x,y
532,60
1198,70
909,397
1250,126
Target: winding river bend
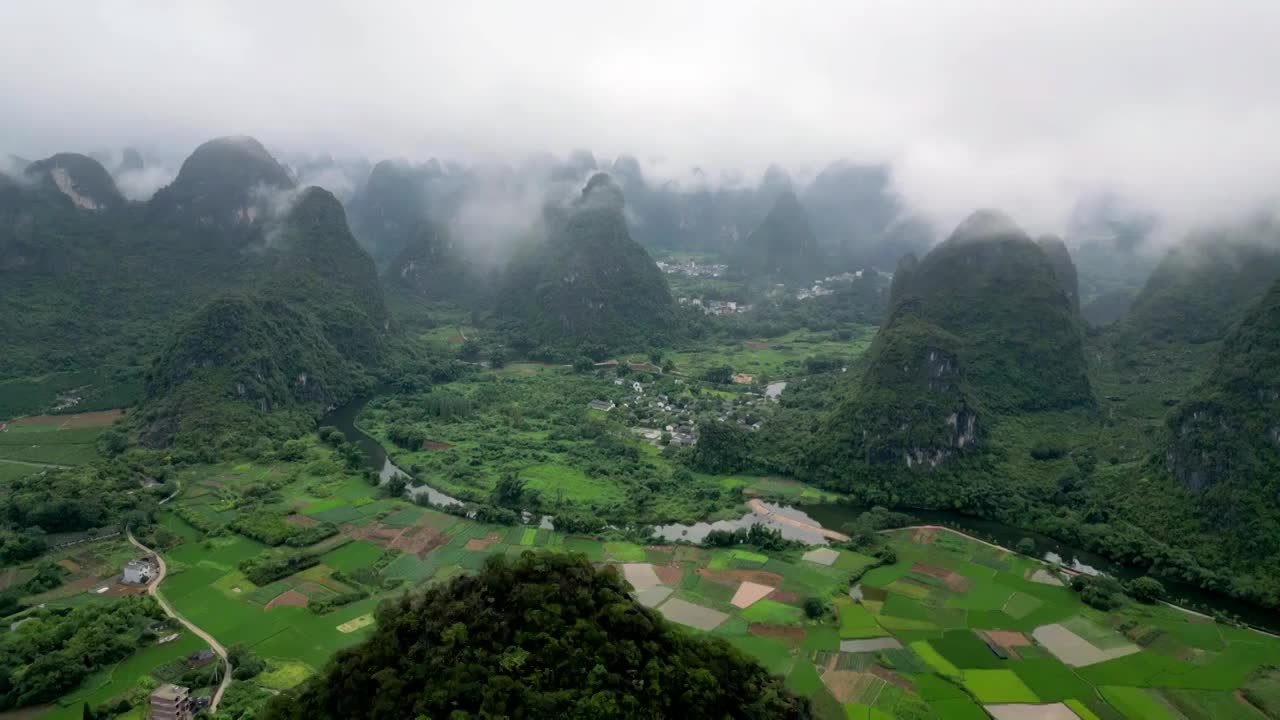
x,y
792,522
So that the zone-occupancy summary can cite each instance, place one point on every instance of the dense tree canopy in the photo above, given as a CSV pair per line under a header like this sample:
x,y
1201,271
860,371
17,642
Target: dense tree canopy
x,y
544,636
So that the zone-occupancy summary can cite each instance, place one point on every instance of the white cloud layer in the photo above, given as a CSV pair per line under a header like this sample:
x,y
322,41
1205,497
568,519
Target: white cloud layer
x,y
1021,105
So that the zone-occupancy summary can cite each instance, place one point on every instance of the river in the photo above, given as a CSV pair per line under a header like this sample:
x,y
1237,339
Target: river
x,y
833,516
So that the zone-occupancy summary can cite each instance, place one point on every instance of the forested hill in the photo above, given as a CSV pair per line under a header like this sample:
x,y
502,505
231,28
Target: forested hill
x,y
300,339
1204,286
590,282
388,212
782,247
433,267
226,183
542,636
1224,440
80,179
978,330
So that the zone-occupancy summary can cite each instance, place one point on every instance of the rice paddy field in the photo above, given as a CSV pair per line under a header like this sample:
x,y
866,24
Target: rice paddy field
x,y
953,628
30,442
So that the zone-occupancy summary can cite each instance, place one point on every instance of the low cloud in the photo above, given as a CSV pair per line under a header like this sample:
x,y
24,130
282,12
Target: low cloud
x,y
1022,106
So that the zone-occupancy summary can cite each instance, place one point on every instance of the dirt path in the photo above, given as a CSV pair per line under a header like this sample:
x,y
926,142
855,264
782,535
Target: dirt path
x,y
153,590
759,507
35,464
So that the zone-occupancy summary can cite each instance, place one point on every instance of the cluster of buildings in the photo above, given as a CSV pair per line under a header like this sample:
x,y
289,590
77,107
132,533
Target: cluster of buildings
x,y
823,286
717,307
692,268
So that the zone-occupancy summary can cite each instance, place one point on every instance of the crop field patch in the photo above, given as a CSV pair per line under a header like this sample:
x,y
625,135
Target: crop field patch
x,y
958,709
624,552
856,622
1137,703
934,659
288,598
1210,704
966,650
998,686
803,679
1096,635
404,518
1074,650
1051,680
356,623
768,612
352,556
870,645
853,687
1049,711
821,556
1021,605
687,613
640,575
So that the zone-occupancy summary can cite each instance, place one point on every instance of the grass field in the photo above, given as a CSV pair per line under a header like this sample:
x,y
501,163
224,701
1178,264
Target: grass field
x,y
49,444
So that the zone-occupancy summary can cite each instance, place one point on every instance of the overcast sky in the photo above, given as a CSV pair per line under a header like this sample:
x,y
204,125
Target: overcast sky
x,y
1021,105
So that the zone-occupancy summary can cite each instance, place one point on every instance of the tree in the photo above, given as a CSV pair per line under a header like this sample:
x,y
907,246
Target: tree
x,y
720,375
814,608
583,364
508,491
1146,589
1027,546
722,449
497,359
544,635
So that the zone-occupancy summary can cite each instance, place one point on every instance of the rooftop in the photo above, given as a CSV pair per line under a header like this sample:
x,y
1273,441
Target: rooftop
x,y
170,692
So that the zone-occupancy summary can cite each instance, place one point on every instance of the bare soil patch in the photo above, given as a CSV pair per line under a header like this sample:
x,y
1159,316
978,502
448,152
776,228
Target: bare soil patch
x,y
757,344
8,577
875,594
435,445
1008,640
786,596
924,535
301,521
119,590
736,577
79,420
1074,650
749,594
848,686
776,631
1052,711
420,540
669,574
930,570
290,598
483,543
892,678
687,613
378,534
69,565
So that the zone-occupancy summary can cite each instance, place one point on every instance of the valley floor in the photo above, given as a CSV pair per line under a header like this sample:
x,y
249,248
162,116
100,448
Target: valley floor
x,y
954,628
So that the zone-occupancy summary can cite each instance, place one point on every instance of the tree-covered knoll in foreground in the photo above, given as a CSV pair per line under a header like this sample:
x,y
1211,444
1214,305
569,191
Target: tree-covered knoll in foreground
x,y
538,637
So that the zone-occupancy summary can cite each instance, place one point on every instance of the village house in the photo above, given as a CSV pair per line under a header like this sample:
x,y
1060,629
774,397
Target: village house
x,y
601,405
743,378
138,572
171,702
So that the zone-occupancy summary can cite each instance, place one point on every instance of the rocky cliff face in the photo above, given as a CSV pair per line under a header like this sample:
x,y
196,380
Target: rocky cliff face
x,y
79,178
